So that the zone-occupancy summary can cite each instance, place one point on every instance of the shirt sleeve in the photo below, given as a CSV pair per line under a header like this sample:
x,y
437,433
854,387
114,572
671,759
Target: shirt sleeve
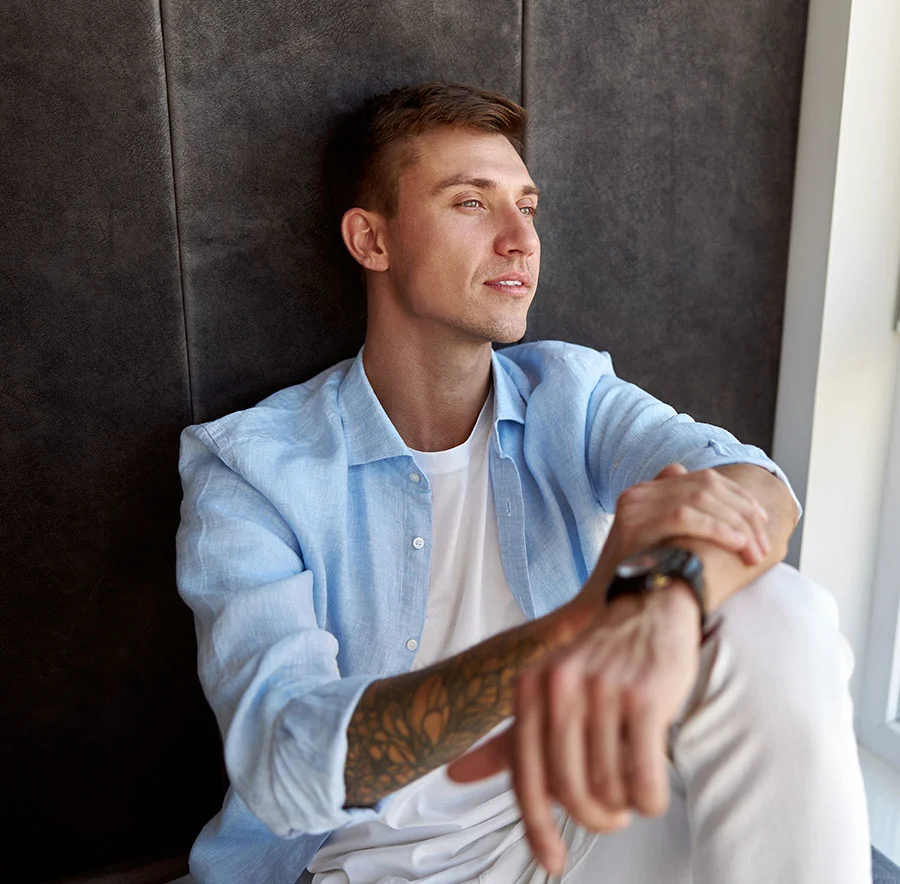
x,y
267,669
631,436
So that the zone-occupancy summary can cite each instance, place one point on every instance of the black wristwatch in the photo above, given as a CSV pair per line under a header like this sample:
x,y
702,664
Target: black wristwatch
x,y
656,568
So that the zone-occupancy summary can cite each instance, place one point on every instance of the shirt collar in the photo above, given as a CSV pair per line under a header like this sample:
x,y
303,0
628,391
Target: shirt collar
x,y
508,402
368,430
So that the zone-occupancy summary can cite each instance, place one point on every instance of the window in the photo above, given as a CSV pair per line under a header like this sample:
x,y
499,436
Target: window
x,y
880,731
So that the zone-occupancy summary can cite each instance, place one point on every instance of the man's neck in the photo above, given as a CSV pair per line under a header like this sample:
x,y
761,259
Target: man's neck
x,y
432,394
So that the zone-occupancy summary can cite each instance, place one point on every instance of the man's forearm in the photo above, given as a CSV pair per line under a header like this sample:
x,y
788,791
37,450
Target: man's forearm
x,y
405,726
724,571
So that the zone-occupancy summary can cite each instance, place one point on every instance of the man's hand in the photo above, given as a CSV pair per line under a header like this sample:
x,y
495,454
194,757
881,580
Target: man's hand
x,y
704,505
591,718
622,671
591,721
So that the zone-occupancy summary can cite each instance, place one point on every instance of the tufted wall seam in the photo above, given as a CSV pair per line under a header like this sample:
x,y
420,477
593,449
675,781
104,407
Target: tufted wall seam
x,y
523,78
184,308
104,723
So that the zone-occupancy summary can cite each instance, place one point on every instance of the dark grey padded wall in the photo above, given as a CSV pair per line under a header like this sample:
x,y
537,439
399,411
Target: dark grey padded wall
x,y
664,136
102,715
253,90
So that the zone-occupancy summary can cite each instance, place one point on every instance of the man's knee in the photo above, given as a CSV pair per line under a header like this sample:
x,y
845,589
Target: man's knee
x,y
782,642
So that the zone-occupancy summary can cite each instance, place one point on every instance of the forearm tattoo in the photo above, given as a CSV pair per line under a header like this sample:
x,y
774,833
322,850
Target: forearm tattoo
x,y
406,726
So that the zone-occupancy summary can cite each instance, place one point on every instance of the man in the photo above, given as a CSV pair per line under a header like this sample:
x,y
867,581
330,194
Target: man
x,y
411,554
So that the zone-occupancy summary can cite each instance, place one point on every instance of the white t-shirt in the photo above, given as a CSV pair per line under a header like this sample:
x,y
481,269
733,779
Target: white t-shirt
x,y
435,830
468,596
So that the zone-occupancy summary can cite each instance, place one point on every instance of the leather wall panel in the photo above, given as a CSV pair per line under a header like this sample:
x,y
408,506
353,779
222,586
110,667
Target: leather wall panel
x,y
105,735
664,136
254,89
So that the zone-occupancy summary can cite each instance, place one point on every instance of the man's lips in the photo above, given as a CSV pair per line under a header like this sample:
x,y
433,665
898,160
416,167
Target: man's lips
x,y
511,283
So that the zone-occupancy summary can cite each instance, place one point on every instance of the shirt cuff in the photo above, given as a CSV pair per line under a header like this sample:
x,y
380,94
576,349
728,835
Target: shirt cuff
x,y
720,454
306,792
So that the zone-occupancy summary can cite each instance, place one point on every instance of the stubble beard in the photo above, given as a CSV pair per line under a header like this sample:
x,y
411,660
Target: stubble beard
x,y
493,330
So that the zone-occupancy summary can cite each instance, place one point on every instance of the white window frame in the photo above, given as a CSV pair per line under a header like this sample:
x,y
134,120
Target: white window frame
x,y
837,423
879,727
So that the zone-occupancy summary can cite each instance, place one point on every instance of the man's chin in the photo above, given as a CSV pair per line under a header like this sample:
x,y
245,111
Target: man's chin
x,y
509,337
510,334
494,332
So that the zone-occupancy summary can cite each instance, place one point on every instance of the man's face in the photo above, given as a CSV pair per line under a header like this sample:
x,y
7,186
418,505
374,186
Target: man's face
x,y
462,247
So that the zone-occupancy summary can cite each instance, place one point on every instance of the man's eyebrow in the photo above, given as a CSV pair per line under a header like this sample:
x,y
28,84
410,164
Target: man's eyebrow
x,y
480,183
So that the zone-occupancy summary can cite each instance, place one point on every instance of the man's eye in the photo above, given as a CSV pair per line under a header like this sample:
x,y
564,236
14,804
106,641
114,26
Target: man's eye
x,y
471,204
528,210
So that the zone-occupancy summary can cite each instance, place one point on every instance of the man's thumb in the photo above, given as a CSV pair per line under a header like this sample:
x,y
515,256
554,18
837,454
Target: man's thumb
x,y
485,761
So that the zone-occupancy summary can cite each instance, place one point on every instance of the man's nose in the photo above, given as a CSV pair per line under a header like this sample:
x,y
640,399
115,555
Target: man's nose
x,y
517,234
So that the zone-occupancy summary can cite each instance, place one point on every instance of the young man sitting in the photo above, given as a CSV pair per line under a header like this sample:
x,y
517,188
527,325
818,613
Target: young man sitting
x,y
437,546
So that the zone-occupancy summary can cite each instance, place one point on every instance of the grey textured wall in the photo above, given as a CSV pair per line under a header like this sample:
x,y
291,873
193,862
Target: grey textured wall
x,y
253,92
167,255
664,134
101,720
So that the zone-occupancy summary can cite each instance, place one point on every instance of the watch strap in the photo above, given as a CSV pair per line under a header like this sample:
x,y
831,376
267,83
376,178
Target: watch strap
x,y
674,563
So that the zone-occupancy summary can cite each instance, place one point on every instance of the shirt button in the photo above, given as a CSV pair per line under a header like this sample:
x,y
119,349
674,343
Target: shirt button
x,y
412,644
414,477
418,543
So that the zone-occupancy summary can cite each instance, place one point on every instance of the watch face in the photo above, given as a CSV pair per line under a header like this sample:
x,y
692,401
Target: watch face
x,y
634,566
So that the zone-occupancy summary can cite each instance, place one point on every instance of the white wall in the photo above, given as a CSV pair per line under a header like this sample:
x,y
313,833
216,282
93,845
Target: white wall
x,y
840,352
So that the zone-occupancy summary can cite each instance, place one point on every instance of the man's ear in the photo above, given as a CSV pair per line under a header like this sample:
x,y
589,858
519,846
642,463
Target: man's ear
x,y
364,236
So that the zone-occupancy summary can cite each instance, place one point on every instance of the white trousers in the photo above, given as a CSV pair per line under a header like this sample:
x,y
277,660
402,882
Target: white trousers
x,y
765,780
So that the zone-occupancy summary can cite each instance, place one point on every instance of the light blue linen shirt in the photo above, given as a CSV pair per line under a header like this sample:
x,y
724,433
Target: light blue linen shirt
x,y
301,554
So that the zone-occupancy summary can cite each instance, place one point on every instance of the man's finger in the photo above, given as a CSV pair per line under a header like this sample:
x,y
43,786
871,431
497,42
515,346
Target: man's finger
x,y
754,514
647,778
530,774
732,528
568,751
604,733
712,511
488,759
719,510
710,520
